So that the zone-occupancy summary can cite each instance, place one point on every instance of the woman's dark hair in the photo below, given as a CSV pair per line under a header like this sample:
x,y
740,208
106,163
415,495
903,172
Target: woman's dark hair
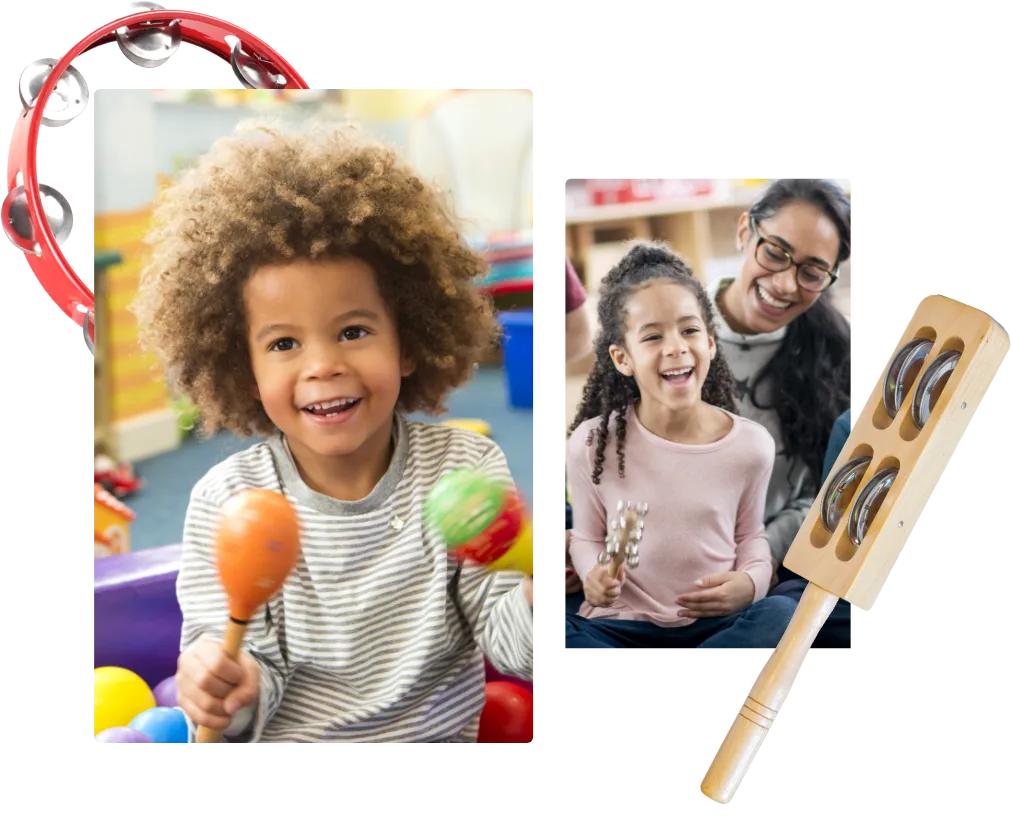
x,y
809,376
607,390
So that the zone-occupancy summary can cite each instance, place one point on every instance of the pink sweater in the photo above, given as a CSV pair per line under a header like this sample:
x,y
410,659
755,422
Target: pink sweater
x,y
706,506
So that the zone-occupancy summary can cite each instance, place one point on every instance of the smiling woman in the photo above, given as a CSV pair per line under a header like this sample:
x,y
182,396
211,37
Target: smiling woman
x,y
786,343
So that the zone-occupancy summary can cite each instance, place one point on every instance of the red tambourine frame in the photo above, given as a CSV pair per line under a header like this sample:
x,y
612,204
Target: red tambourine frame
x,y
50,267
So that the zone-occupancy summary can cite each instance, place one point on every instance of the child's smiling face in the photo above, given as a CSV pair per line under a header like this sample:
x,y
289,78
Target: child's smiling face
x,y
666,346
325,355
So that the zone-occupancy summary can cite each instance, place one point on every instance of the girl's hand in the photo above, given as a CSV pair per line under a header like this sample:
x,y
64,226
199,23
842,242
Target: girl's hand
x,y
528,590
723,595
601,589
572,581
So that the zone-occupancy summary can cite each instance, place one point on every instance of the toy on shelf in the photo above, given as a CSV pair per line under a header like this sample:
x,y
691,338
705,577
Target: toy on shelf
x,y
117,478
483,520
112,524
510,258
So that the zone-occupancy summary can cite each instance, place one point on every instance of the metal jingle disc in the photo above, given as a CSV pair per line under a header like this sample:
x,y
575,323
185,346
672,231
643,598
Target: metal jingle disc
x,y
642,508
149,44
254,71
604,558
69,97
632,561
840,490
18,224
868,503
933,381
901,372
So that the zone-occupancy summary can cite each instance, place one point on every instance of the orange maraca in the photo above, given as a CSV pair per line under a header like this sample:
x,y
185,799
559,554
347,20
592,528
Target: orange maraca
x,y
257,545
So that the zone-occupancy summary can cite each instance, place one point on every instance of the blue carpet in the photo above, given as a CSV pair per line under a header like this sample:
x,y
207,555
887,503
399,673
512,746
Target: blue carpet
x,y
161,505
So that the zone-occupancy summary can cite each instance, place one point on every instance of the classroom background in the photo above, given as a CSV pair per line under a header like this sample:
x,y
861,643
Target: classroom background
x,y
474,144
696,217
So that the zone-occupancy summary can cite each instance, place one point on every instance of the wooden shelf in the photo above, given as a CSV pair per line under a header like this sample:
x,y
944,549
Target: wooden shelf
x,y
661,207
700,229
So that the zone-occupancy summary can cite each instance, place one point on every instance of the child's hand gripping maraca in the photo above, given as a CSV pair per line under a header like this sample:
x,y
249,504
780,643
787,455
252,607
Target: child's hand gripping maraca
x,y
482,519
257,546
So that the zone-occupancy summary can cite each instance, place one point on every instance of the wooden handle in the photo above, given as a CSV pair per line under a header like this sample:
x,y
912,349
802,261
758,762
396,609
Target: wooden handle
x,y
767,696
234,634
613,566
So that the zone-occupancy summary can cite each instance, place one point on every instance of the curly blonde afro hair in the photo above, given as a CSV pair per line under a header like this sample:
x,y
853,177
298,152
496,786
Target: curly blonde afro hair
x,y
270,195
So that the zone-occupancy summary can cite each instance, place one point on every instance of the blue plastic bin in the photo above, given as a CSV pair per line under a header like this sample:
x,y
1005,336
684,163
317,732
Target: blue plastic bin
x,y
518,355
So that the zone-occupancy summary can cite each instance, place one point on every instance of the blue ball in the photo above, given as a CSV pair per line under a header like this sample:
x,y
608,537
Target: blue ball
x,y
165,725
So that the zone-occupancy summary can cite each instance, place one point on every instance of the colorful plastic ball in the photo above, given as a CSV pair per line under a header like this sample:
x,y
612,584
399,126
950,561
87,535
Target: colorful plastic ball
x,y
164,725
123,735
120,695
508,715
166,694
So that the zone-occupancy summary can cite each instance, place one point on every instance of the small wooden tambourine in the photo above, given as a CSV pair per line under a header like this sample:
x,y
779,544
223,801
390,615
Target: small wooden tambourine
x,y
622,544
881,481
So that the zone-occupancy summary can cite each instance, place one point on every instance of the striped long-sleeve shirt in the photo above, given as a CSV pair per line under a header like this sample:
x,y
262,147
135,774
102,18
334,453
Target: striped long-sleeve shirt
x,y
378,634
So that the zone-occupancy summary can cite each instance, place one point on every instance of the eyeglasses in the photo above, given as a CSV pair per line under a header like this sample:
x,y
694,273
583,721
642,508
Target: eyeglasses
x,y
770,256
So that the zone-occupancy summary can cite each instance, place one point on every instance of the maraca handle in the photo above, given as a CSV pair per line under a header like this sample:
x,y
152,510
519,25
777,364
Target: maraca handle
x,y
234,634
767,696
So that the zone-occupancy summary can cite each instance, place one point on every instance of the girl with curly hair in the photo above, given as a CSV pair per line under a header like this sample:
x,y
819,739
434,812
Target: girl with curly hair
x,y
308,287
657,425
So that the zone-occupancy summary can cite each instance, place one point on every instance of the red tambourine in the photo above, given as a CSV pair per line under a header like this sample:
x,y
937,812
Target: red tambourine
x,y
53,93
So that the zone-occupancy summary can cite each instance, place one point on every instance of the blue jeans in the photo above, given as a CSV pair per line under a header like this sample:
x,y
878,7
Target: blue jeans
x,y
835,633
760,625
574,601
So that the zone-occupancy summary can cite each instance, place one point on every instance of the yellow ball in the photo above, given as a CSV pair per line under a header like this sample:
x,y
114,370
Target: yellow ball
x,y
120,696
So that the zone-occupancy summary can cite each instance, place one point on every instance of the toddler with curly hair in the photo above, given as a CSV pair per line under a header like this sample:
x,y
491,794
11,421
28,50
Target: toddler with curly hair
x,y
308,287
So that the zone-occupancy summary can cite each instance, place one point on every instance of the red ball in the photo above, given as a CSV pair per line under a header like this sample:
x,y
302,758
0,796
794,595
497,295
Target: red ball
x,y
508,715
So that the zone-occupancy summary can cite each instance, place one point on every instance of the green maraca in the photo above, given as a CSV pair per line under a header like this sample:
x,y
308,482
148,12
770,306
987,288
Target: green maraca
x,y
463,504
